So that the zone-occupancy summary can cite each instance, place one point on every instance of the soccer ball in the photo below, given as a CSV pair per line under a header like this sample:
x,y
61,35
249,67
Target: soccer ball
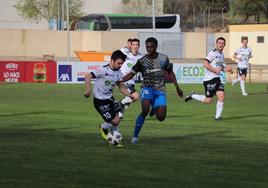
x,y
114,137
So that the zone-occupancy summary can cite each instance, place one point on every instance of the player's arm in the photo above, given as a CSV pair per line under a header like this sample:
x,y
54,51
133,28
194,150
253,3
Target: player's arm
x,y
124,90
88,77
207,65
174,80
168,68
127,77
228,69
250,54
236,56
136,68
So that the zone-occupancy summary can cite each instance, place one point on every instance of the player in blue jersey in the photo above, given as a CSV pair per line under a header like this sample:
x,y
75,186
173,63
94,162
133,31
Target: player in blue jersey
x,y
153,95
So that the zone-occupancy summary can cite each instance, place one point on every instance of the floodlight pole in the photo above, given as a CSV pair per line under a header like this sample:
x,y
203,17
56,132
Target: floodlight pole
x,y
58,19
153,16
68,31
62,14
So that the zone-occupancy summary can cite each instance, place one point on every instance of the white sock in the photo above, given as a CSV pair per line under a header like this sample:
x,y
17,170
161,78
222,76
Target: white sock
x,y
199,97
242,85
115,128
126,100
219,108
235,80
106,125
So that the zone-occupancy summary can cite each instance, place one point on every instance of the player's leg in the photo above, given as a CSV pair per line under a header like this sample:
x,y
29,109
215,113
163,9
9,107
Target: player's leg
x,y
125,102
140,119
209,93
115,108
220,95
237,79
146,98
108,109
115,119
219,105
242,82
160,105
104,110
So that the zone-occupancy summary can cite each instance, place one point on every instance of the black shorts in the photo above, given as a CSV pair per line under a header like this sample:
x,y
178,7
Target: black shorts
x,y
107,108
212,86
242,71
131,88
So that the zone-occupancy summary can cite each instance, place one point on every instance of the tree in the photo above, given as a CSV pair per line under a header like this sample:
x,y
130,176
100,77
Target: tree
x,y
36,10
192,11
138,7
249,10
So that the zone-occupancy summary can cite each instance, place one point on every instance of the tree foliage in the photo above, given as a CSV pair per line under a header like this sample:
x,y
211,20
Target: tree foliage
x,y
138,7
37,10
250,10
186,8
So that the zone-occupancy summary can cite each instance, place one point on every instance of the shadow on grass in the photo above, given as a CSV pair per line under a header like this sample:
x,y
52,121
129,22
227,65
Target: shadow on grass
x,y
244,116
29,113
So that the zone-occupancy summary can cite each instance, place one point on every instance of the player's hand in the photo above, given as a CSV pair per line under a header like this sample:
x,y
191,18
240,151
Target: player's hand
x,y
217,70
229,69
180,92
132,97
87,94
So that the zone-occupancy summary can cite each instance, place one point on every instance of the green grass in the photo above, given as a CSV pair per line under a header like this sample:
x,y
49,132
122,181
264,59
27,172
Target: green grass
x,y
49,138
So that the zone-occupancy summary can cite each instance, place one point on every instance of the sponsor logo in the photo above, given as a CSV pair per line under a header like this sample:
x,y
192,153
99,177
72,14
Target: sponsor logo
x,y
12,66
107,82
39,71
211,86
146,91
65,73
129,65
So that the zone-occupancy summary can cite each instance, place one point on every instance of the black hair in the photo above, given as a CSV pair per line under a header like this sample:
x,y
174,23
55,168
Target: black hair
x,y
118,55
152,40
129,40
221,38
135,40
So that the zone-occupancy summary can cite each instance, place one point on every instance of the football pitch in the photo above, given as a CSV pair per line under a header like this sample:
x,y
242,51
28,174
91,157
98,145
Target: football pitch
x,y
49,138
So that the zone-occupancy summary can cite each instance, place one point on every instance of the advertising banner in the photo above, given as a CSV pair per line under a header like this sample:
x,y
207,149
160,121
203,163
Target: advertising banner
x,y
40,72
11,72
74,72
192,73
28,71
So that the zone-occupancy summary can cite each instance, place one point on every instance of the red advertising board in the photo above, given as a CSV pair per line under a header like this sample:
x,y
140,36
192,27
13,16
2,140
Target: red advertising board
x,y
41,72
28,71
11,71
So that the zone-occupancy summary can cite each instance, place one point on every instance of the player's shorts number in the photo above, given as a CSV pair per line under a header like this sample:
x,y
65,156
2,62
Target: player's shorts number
x,y
107,115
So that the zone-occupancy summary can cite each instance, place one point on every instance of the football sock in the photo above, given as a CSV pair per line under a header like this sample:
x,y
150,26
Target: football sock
x,y
126,100
242,85
139,123
115,128
219,108
199,97
106,125
235,80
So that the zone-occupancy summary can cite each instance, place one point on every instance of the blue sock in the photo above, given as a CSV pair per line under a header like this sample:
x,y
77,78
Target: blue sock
x,y
139,123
